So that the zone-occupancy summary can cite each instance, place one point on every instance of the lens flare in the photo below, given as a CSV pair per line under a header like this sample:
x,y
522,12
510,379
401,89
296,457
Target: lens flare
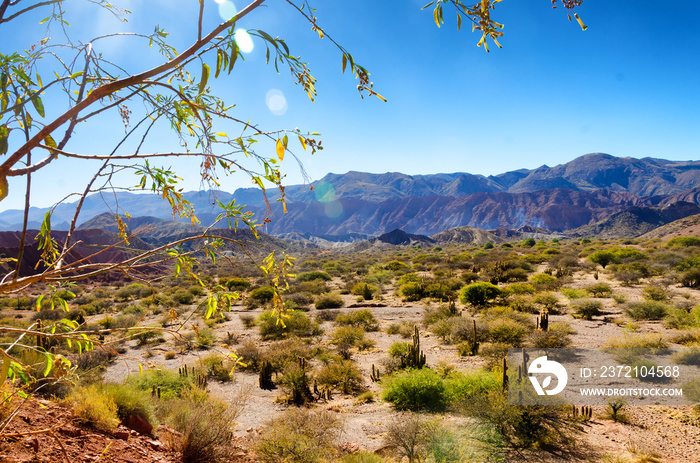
x,y
227,10
324,193
243,40
276,102
333,209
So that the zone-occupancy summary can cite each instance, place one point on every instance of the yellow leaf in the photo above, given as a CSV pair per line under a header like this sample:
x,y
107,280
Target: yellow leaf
x,y
280,149
583,26
302,140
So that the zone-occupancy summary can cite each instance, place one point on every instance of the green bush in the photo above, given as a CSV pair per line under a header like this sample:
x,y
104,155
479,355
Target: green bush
x,y
235,284
479,294
416,390
507,331
600,290
542,279
519,288
412,291
329,301
184,297
351,336
360,318
395,265
342,375
655,293
131,400
263,294
556,337
690,278
171,384
647,310
365,290
683,241
587,308
313,275
291,323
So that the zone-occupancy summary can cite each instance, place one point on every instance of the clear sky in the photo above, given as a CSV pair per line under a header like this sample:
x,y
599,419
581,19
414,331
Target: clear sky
x,y
628,86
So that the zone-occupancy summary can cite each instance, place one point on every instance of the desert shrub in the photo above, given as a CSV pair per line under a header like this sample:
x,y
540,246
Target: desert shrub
x,y
363,457
281,353
360,318
519,288
327,315
204,337
301,299
313,275
586,308
291,323
217,366
342,375
395,265
690,278
523,304
411,277
184,297
534,426
683,241
250,355
439,291
329,301
299,435
131,401
689,356
248,320
547,300
637,341
603,258
542,279
647,310
573,293
600,290
556,337
416,389
507,331
351,336
93,406
412,291
677,318
263,294
655,293
462,386
235,284
432,315
171,384
365,290
479,294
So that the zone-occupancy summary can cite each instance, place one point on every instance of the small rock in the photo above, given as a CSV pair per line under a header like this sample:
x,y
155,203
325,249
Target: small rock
x,y
250,429
138,424
157,446
350,447
122,434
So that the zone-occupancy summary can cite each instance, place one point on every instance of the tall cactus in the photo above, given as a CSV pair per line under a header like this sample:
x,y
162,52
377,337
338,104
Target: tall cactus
x,y
415,358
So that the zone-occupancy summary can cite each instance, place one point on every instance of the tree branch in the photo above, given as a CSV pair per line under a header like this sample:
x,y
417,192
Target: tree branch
x,y
110,88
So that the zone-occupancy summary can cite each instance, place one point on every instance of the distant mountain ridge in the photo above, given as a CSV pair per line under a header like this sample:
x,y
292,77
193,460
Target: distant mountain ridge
x,y
581,192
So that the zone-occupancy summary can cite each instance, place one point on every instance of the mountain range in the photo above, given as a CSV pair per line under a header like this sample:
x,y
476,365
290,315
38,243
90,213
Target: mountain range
x,y
580,193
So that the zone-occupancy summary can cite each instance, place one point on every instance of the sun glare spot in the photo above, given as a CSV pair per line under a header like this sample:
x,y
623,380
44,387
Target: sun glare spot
x,y
245,43
227,9
276,102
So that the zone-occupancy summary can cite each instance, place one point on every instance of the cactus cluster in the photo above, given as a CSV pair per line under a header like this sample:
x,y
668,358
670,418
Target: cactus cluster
x,y
415,358
473,343
585,412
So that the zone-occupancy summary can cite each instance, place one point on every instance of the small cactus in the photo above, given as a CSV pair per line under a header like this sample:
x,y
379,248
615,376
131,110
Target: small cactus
x,y
265,376
543,320
415,357
375,374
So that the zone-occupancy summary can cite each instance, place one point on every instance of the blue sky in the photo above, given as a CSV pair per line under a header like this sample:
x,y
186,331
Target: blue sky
x,y
627,86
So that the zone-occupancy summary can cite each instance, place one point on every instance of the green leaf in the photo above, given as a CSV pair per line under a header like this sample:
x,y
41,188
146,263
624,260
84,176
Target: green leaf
x,y
49,365
345,61
76,74
4,135
205,78
219,61
234,56
50,142
38,105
